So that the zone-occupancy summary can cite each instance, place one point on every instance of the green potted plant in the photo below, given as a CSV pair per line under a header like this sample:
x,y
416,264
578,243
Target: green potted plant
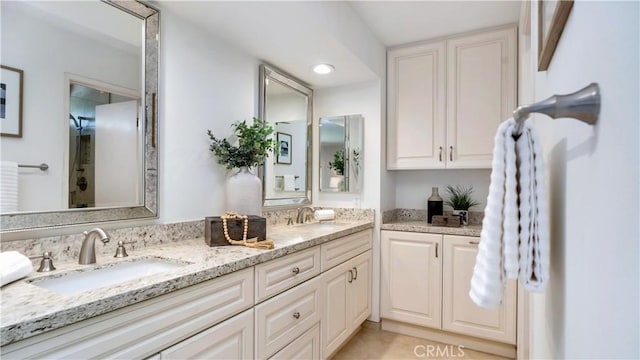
x,y
254,144
338,162
460,200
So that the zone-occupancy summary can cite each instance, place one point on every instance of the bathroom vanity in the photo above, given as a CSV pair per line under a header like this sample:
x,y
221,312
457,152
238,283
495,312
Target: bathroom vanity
x,y
302,299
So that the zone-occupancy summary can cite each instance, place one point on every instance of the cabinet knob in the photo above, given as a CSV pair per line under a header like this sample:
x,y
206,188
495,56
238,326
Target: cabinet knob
x,y
296,315
296,270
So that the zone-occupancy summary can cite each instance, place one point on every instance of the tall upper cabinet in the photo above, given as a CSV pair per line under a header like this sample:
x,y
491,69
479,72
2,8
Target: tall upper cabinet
x,y
446,98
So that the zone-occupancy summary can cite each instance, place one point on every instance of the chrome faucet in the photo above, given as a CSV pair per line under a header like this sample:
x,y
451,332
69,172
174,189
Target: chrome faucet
x,y
88,250
300,219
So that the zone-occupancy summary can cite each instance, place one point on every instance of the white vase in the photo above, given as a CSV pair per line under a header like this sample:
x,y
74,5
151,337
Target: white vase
x,y
244,193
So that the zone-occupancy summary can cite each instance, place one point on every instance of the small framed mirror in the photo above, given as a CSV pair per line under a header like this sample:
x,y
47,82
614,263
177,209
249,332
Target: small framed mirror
x,y
341,142
286,103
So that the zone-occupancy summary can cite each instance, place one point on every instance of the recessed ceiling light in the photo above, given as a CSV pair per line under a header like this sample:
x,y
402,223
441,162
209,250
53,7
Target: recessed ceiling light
x,y
323,69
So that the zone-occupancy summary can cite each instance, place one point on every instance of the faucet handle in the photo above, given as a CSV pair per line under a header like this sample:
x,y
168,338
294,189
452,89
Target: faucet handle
x,y
46,264
121,251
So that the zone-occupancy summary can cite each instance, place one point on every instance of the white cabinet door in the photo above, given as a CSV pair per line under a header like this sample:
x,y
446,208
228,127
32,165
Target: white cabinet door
x,y
360,290
346,292
416,107
460,313
335,319
231,339
481,93
412,277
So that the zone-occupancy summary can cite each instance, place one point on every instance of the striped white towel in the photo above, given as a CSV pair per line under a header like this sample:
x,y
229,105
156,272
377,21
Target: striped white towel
x,y
514,237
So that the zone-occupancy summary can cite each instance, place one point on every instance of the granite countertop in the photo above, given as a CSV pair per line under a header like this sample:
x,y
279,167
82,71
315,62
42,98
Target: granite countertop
x,y
28,310
424,227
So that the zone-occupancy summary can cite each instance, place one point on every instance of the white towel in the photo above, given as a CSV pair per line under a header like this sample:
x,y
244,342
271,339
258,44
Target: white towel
x,y
13,266
8,186
289,183
514,236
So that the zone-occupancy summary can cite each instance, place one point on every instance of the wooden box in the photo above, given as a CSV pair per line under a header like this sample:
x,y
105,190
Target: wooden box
x,y
214,234
449,220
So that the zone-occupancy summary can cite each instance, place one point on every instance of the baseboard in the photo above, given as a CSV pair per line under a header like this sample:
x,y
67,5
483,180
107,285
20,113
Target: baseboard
x,y
442,336
368,324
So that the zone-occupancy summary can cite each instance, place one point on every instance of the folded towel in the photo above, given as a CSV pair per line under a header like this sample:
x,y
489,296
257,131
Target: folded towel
x,y
13,266
289,183
8,186
514,236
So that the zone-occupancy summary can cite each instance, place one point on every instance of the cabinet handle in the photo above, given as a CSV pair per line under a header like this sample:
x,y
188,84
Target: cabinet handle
x,y
296,270
450,153
440,156
296,315
474,242
350,276
355,270
436,250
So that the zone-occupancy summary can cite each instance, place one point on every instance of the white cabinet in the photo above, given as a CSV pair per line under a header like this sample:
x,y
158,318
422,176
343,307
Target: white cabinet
x,y
281,319
426,280
412,278
231,339
307,346
416,107
459,313
346,291
144,329
445,100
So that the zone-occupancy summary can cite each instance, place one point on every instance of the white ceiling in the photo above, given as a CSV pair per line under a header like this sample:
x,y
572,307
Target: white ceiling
x,y
293,36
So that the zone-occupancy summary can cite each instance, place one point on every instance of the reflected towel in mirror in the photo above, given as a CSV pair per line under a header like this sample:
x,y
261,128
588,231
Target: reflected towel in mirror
x,y
289,183
8,186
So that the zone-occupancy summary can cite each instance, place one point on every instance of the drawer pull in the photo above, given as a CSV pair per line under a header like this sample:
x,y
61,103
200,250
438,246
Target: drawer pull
x,y
296,315
350,276
355,270
436,250
450,153
474,242
296,270
440,156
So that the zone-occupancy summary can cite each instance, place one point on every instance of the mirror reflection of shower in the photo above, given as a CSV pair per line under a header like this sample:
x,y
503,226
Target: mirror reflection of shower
x,y
83,101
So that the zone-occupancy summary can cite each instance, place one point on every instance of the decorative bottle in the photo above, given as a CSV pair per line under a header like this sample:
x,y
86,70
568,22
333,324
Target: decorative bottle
x,y
434,204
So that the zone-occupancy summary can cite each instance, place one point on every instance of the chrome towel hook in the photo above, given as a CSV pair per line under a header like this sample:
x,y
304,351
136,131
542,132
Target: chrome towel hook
x,y
583,105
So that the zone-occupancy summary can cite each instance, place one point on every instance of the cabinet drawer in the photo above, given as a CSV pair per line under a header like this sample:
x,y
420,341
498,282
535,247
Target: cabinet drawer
x,y
281,319
141,330
281,274
307,346
339,251
231,339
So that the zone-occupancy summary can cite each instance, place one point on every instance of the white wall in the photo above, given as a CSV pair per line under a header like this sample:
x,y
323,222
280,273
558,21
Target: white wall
x,y
204,84
412,188
590,308
45,52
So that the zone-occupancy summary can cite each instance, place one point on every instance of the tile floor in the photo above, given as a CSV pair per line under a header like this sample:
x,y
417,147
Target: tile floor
x,y
379,344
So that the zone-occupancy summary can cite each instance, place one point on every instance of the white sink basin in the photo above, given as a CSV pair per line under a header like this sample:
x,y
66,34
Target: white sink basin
x,y
81,281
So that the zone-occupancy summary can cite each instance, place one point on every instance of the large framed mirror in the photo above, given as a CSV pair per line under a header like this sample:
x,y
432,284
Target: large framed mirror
x,y
89,113
341,163
286,103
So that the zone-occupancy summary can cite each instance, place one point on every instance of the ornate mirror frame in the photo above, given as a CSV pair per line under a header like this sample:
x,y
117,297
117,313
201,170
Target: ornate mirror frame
x,y
268,73
45,219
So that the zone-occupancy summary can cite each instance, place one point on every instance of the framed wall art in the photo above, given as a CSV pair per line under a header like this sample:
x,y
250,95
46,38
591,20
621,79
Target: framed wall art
x,y
552,16
284,148
11,101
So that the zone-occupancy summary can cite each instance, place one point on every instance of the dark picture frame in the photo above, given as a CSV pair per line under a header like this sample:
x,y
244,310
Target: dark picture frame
x,y
552,16
11,90
284,148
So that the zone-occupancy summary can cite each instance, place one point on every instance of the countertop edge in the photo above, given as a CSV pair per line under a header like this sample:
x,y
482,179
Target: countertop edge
x,y
423,227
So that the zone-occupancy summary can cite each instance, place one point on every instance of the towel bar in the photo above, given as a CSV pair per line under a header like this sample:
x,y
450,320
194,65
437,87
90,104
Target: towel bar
x,y
42,167
583,105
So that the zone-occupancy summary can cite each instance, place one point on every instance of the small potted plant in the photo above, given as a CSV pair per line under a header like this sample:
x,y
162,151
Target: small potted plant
x,y
254,144
460,200
338,162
